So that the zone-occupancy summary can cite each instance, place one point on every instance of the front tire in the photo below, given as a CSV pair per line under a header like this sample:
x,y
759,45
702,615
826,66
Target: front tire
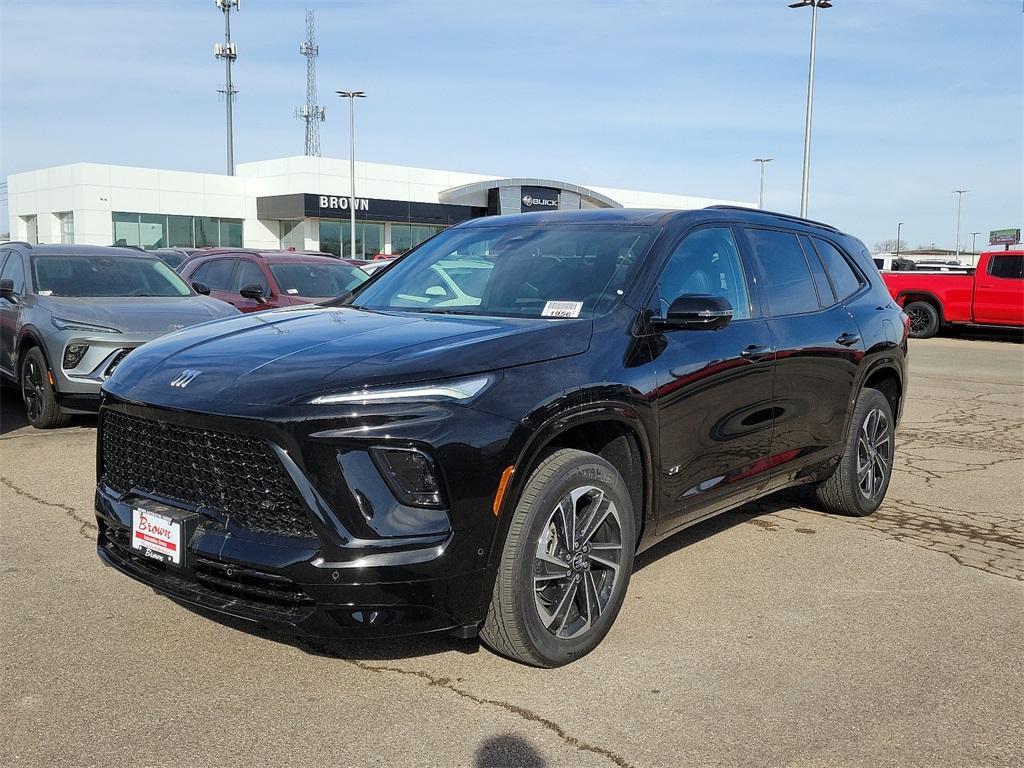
x,y
924,319
859,483
566,562
41,408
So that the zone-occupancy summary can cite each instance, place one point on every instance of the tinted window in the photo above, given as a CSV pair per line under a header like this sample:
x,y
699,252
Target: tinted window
x,y
825,295
249,273
14,270
105,276
707,262
844,279
788,286
216,274
1007,266
530,271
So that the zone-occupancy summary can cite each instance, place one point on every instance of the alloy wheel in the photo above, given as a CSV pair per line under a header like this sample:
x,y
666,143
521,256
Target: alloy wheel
x,y
874,453
576,564
32,390
919,320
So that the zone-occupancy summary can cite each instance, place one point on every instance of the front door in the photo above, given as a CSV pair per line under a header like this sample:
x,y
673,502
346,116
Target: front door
x,y
714,387
13,269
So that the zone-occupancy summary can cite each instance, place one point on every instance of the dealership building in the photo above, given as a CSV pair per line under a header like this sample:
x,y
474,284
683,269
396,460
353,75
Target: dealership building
x,y
293,202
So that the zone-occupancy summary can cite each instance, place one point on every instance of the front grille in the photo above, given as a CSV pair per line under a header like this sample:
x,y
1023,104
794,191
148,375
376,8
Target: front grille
x,y
214,582
121,355
237,476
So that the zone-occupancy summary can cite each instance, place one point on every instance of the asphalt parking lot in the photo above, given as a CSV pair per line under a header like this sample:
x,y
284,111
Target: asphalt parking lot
x,y
773,635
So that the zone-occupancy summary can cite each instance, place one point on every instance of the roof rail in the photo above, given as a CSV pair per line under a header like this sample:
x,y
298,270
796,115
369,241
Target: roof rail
x,y
26,243
787,216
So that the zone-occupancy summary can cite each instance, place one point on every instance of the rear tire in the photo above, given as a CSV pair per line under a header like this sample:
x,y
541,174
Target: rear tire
x,y
41,407
562,577
924,319
859,483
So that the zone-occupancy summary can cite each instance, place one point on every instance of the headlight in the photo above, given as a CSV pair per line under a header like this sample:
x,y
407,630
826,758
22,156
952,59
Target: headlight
x,y
457,389
75,325
73,354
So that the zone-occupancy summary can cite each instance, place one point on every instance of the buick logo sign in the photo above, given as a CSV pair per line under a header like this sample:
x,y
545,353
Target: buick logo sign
x,y
185,378
529,201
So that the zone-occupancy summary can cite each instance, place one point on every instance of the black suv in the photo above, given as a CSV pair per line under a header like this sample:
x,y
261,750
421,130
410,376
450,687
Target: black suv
x,y
481,437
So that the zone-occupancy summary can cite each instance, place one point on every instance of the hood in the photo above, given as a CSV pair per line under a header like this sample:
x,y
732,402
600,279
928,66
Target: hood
x,y
141,314
289,356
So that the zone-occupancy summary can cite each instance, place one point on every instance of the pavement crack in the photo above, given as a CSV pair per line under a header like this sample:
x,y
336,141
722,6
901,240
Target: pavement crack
x,y
446,683
85,525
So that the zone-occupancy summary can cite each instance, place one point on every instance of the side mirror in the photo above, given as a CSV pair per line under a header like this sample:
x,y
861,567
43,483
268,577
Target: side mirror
x,y
697,311
253,291
7,290
201,288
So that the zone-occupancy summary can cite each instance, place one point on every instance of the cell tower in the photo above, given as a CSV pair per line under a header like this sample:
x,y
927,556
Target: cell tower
x,y
229,53
310,112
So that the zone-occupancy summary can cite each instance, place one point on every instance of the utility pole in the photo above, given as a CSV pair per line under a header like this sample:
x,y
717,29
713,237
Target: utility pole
x,y
959,203
760,194
974,243
311,112
815,5
352,96
229,53
899,229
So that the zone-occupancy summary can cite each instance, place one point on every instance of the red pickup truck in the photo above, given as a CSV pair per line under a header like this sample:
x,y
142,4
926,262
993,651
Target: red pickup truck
x,y
991,295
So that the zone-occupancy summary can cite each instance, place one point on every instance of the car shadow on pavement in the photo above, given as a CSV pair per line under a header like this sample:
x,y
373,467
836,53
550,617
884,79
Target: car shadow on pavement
x,y
12,413
395,648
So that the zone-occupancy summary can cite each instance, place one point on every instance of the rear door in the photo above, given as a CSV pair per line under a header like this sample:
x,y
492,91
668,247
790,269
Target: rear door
x,y
818,344
999,290
714,387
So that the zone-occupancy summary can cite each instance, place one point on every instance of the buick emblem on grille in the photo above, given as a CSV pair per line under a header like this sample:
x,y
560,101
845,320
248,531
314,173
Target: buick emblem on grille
x,y
185,378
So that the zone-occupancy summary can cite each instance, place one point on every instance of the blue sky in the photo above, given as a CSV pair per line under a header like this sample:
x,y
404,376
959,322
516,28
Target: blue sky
x,y
914,98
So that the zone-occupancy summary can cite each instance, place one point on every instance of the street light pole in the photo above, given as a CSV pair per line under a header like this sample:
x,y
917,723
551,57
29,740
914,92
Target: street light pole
x,y
899,228
959,203
352,96
974,243
815,5
760,194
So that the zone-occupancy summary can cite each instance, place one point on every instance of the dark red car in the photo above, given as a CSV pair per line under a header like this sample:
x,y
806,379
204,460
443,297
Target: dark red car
x,y
257,280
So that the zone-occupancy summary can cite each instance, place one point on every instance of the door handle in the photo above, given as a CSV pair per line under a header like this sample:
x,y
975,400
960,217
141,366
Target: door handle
x,y
755,352
848,339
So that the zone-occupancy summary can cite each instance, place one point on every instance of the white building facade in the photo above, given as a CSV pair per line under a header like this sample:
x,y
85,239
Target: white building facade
x,y
293,202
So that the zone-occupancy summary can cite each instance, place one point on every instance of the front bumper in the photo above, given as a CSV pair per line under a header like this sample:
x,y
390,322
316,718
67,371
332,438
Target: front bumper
x,y
351,575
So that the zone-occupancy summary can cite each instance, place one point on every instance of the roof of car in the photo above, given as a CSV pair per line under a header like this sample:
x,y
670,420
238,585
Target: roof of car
x,y
53,249
271,257
644,216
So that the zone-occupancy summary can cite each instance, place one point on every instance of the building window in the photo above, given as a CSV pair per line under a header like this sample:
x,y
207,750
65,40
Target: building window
x,y
407,236
156,230
31,229
335,238
67,227
291,234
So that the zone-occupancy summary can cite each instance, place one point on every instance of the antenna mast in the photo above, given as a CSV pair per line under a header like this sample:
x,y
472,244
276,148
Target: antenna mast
x,y
310,112
229,53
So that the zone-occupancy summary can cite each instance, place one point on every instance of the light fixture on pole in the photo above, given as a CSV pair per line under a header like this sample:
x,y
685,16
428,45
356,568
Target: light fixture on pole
x,y
229,53
899,229
815,5
352,96
760,193
959,204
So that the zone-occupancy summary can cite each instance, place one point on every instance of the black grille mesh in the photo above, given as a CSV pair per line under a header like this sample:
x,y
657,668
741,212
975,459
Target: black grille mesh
x,y
238,476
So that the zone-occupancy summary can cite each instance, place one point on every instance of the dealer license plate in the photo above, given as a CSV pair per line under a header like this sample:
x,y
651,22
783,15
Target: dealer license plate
x,y
156,536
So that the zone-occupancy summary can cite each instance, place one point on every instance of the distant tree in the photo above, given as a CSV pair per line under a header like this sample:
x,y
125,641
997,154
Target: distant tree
x,y
889,246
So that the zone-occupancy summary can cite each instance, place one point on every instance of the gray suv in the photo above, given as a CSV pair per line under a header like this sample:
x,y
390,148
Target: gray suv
x,y
70,313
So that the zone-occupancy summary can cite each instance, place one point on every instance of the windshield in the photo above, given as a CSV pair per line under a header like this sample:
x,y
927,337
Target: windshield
x,y
70,275
516,270
317,281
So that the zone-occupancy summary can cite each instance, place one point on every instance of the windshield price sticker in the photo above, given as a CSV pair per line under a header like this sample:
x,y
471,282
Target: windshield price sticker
x,y
562,309
157,536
